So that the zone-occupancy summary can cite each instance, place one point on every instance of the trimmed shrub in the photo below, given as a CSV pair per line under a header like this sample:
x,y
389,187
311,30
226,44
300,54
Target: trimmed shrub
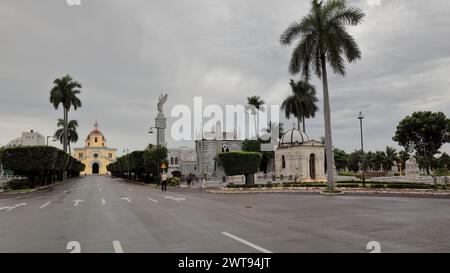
x,y
17,184
238,163
174,181
40,164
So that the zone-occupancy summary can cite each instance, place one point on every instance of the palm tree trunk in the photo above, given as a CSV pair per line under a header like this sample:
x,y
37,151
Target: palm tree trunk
x,y
327,121
298,123
65,131
65,140
304,126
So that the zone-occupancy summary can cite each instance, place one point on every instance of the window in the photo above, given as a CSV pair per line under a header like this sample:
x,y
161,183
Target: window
x,y
95,155
110,155
176,160
283,162
171,161
95,140
80,155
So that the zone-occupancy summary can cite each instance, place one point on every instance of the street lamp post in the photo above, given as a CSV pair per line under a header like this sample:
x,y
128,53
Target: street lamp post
x,y
361,117
157,153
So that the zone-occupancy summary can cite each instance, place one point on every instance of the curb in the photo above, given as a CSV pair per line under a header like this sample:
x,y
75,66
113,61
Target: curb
x,y
440,195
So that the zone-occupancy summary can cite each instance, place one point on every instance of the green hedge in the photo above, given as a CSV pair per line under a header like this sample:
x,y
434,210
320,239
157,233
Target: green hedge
x,y
139,165
238,163
40,164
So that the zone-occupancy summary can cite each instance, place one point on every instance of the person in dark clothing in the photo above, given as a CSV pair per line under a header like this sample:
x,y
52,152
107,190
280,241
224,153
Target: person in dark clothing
x,y
164,178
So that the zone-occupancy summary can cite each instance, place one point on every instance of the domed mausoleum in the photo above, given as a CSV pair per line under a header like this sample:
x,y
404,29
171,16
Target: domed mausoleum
x,y
300,157
95,154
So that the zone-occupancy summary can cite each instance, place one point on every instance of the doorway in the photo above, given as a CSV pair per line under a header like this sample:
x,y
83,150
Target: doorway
x,y
95,168
312,166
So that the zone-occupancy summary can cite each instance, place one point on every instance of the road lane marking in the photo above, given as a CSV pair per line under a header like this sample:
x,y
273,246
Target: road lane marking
x,y
13,207
76,202
117,247
246,242
127,199
46,204
178,199
151,199
103,202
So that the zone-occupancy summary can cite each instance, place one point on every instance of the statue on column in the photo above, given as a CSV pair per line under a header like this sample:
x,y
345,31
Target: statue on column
x,y
160,121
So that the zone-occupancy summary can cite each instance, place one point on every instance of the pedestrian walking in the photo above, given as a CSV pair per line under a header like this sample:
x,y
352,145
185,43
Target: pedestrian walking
x,y
164,178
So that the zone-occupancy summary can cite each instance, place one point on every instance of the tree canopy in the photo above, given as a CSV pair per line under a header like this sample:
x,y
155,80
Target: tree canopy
x,y
424,133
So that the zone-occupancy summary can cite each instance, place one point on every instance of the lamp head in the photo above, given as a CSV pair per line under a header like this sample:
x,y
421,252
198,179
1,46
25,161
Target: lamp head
x,y
360,116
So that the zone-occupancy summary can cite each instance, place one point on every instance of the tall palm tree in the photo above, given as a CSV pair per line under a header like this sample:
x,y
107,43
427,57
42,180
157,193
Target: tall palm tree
x,y
72,135
64,92
255,103
302,103
323,39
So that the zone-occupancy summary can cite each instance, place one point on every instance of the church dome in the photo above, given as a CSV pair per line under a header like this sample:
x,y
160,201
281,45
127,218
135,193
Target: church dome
x,y
293,137
95,132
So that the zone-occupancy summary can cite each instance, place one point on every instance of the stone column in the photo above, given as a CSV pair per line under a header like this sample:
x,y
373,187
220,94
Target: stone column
x,y
160,124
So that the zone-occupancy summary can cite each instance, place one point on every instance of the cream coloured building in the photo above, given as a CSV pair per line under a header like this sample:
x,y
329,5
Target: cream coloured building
x,y
95,154
299,157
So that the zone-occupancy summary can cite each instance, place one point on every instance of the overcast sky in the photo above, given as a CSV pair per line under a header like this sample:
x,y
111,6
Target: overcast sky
x,y
126,53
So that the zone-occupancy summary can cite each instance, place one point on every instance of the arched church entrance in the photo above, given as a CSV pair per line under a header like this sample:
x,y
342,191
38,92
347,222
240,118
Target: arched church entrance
x,y
95,168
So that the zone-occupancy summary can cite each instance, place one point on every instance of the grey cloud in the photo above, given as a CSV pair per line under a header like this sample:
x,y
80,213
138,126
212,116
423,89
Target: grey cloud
x,y
126,53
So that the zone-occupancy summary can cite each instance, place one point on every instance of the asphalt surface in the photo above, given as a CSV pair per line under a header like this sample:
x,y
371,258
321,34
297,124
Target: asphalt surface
x,y
116,216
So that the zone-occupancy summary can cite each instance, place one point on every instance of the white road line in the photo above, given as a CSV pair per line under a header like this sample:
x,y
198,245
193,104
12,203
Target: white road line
x,y
46,204
178,199
246,242
128,199
117,247
103,201
11,208
76,202
151,199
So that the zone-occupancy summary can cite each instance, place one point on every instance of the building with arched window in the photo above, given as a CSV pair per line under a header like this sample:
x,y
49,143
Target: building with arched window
x,y
95,154
299,157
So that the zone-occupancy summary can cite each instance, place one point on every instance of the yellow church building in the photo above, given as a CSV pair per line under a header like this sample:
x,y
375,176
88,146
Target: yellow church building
x,y
95,155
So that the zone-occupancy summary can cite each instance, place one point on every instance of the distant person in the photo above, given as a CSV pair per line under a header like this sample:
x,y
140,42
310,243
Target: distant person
x,y
164,178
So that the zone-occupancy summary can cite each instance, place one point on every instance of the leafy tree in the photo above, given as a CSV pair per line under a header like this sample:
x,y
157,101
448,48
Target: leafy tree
x,y
238,163
444,161
379,161
64,92
151,159
323,39
72,135
424,133
341,159
302,103
355,161
403,156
